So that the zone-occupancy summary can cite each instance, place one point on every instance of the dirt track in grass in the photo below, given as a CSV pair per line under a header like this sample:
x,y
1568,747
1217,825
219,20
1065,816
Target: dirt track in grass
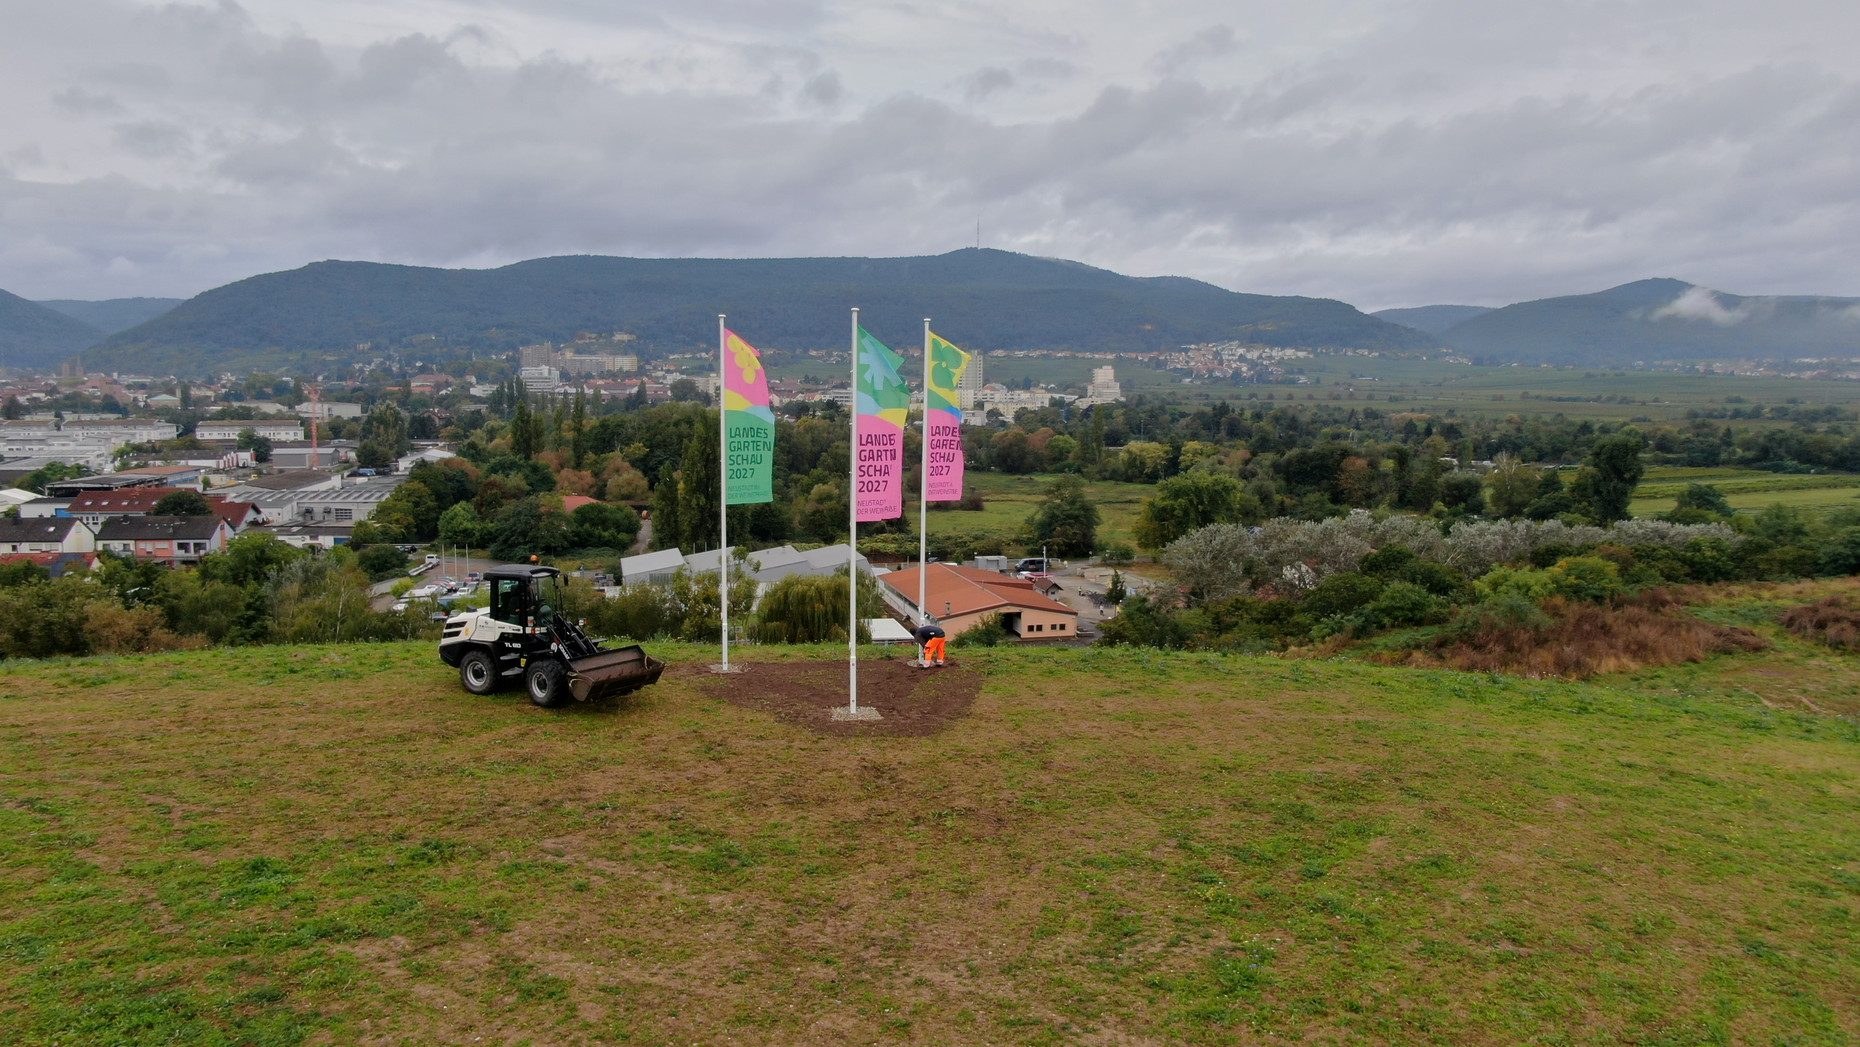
x,y
911,702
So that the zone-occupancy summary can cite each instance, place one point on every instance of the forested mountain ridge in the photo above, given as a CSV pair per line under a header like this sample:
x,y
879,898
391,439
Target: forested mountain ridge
x,y
35,337
111,315
1648,321
1431,318
986,299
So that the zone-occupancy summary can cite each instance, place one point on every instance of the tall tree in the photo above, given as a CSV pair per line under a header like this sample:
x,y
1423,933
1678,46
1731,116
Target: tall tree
x,y
522,434
578,424
1066,521
1609,475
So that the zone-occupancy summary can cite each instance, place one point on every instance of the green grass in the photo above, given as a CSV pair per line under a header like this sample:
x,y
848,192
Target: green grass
x,y
1008,500
1748,490
292,845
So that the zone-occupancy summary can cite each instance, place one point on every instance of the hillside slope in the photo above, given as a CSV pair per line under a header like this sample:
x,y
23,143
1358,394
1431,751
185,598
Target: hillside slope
x,y
1654,320
332,844
1431,318
111,315
986,299
33,336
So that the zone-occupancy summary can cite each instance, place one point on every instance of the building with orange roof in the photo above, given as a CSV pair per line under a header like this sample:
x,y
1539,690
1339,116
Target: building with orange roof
x,y
961,598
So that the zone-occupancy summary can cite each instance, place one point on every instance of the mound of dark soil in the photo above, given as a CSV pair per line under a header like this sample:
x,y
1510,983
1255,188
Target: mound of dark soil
x,y
911,701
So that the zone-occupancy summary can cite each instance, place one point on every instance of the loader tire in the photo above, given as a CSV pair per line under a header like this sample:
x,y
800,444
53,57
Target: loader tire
x,y
478,672
548,683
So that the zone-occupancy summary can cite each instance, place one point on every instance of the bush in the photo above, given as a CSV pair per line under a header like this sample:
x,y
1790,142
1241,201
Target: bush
x,y
1831,621
805,609
990,632
1117,553
1341,595
382,561
1404,604
1142,622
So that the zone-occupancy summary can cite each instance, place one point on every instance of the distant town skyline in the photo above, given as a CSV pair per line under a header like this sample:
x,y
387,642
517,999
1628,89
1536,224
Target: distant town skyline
x,y
1379,152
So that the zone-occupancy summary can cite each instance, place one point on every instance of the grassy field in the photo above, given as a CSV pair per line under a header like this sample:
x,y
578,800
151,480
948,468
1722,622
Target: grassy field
x,y
1748,490
1007,500
338,845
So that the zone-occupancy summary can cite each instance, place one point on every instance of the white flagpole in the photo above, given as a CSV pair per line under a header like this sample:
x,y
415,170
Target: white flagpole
x,y
852,538
923,499
723,491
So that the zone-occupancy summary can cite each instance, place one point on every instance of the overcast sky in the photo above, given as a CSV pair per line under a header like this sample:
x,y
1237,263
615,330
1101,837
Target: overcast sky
x,y
1385,152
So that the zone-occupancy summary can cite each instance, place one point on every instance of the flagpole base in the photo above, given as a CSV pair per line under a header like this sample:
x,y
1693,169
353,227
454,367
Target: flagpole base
x,y
719,667
842,713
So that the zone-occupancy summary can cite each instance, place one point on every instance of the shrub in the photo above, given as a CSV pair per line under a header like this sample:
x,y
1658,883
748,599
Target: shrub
x,y
1403,604
1832,621
1117,553
1573,640
990,632
1341,595
805,609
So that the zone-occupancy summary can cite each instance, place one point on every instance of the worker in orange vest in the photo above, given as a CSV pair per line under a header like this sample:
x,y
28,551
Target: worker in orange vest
x,y
930,637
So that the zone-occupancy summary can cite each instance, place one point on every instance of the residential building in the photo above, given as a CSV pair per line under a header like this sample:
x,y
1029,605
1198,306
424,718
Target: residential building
x,y
961,598
1104,388
240,516
543,379
309,536
94,507
969,387
165,539
228,432
54,535
324,410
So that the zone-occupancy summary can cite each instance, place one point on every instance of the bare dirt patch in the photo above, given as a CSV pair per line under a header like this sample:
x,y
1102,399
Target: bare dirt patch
x,y
911,701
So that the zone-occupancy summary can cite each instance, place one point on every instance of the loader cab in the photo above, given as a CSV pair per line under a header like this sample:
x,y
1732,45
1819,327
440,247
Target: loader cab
x,y
524,596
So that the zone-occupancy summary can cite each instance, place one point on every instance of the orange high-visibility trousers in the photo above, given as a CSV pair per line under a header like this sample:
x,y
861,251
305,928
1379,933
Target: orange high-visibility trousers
x,y
933,651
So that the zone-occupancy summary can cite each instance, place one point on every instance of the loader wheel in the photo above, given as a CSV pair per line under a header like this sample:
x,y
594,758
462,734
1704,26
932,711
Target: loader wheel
x,y
478,672
548,681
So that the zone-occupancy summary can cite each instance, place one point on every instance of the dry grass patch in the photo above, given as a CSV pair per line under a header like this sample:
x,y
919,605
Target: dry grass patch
x,y
1832,621
1582,640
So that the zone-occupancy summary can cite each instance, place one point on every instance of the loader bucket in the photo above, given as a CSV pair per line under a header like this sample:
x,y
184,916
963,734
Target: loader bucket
x,y
612,672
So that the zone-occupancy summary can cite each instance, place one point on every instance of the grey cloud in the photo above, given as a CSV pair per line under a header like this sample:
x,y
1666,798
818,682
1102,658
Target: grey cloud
x,y
152,138
823,89
79,102
1216,41
984,82
1047,68
1382,175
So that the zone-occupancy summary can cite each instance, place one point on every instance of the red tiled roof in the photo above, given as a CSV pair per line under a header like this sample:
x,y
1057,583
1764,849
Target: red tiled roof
x,y
572,502
967,590
127,500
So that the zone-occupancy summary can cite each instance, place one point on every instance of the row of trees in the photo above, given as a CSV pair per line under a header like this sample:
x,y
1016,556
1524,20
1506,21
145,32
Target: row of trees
x,y
259,590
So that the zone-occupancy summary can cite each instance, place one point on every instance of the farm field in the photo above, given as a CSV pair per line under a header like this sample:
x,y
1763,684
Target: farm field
x,y
1748,490
1007,500
339,845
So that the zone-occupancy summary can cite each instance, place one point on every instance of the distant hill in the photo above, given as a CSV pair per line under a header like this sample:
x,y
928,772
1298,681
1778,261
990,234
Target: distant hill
x,y
989,300
1654,320
1431,318
111,315
33,336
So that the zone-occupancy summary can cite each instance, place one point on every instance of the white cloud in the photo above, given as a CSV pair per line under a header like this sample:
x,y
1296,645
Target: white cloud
x,y
1701,303
1388,152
